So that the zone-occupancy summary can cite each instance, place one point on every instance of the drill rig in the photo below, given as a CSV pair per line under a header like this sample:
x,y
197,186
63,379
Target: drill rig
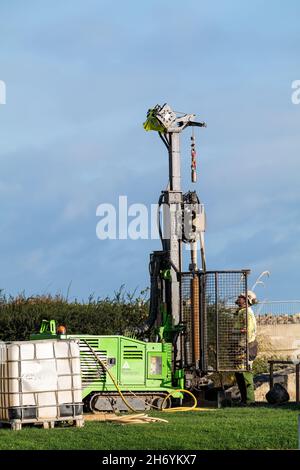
x,y
193,309
192,323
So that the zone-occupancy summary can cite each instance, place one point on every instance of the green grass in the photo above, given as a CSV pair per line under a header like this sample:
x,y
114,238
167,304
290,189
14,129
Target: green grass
x,y
229,428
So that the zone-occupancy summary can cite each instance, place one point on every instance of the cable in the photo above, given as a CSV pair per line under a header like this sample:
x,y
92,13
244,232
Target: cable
x,y
180,408
111,376
160,202
202,250
170,410
183,408
164,139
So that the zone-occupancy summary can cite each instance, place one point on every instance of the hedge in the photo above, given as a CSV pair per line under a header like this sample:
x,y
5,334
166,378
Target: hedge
x,y
20,316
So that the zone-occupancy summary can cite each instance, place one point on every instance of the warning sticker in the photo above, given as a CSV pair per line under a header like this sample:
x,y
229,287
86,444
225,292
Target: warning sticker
x,y
125,365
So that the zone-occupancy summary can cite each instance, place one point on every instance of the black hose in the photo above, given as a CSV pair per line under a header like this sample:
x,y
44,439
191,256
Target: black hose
x,y
164,139
163,242
154,270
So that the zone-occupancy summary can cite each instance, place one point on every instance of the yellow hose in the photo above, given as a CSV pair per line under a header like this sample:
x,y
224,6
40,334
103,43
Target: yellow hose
x,y
183,408
170,410
111,376
180,408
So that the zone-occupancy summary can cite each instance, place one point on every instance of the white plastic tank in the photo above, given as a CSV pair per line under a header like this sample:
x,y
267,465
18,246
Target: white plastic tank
x,y
40,380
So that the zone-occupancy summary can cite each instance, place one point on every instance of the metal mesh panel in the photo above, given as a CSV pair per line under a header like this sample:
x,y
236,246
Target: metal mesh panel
x,y
287,308
212,323
224,329
186,317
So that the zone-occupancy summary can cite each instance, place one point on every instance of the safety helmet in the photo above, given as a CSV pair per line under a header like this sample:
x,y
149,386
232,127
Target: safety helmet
x,y
61,330
251,297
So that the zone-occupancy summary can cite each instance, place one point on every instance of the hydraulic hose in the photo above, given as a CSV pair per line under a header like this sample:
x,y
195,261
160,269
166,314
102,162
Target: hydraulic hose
x,y
179,408
111,376
153,307
170,410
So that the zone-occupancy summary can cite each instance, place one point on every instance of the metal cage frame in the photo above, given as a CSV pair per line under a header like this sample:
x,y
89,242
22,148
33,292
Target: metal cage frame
x,y
215,337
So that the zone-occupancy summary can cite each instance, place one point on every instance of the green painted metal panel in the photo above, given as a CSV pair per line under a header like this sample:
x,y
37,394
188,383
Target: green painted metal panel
x,y
127,360
132,362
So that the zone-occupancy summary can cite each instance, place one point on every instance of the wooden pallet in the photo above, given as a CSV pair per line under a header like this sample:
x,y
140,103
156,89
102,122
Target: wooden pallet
x,y
16,425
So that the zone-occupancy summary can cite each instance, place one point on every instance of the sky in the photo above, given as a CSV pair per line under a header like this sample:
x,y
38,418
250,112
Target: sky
x,y
80,77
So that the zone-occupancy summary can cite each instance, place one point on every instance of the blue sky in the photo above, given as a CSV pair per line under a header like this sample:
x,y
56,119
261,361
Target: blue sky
x,y
80,76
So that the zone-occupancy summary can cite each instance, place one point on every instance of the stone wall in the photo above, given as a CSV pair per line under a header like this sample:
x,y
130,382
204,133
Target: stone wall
x,y
282,340
269,319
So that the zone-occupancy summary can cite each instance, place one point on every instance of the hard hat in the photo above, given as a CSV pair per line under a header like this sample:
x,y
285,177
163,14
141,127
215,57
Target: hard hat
x,y
61,330
251,297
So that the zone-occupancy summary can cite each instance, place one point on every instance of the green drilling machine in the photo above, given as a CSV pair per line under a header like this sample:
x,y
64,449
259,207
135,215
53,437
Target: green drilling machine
x,y
191,320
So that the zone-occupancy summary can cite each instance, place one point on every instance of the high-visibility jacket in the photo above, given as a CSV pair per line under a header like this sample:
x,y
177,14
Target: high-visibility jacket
x,y
241,322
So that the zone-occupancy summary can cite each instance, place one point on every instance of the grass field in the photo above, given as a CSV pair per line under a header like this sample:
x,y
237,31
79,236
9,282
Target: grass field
x,y
229,428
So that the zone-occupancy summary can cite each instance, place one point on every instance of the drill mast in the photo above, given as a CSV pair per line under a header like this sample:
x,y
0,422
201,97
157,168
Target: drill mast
x,y
182,222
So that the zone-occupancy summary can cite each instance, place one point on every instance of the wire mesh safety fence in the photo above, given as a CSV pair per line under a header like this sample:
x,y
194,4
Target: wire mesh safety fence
x,y
186,317
277,307
221,328
224,326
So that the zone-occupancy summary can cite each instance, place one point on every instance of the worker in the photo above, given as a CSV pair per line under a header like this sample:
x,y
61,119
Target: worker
x,y
245,379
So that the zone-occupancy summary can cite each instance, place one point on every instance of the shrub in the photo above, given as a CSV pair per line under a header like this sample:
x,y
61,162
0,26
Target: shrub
x,y
21,316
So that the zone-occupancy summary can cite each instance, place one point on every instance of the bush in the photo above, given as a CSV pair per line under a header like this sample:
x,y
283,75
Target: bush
x,y
21,316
